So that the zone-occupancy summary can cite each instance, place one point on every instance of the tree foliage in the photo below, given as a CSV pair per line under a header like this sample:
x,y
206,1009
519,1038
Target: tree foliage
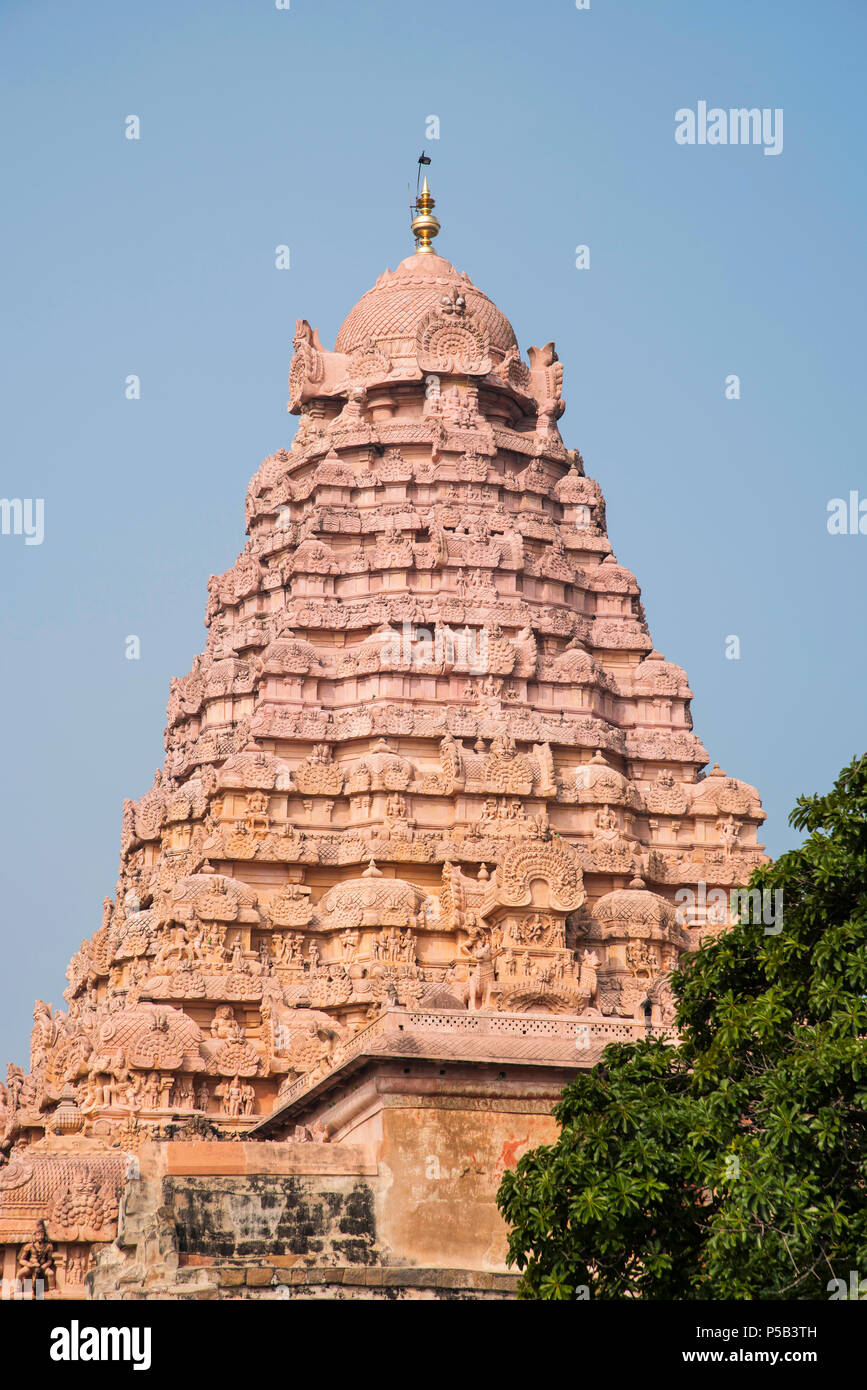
x,y
732,1165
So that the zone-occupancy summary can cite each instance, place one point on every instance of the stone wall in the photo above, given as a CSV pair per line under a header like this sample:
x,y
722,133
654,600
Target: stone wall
x,y
270,1220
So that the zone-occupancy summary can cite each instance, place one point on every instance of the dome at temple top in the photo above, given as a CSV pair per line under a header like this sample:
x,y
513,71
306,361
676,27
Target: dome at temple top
x,y
401,299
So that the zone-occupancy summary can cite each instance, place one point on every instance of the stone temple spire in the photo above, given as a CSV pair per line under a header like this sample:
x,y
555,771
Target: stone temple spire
x,y
424,224
429,806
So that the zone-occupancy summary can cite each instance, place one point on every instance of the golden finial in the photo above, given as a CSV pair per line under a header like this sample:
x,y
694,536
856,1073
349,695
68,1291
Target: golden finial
x,y
424,225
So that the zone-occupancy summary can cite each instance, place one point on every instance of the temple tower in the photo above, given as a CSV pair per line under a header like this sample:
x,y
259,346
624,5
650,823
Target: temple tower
x,y
429,792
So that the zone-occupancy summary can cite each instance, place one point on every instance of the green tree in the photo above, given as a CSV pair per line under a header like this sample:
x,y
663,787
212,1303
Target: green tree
x,y
732,1165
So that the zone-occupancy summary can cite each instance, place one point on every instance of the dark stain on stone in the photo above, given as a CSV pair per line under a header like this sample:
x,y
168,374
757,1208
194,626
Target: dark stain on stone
x,y
246,1217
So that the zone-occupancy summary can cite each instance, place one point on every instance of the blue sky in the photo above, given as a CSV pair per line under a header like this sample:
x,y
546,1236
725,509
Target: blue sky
x,y
262,127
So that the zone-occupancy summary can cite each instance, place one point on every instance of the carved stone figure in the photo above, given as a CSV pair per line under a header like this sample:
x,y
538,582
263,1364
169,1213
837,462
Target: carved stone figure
x,y
36,1259
587,979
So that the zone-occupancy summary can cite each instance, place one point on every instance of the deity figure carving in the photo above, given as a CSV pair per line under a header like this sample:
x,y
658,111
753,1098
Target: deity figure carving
x,y
36,1260
481,979
587,978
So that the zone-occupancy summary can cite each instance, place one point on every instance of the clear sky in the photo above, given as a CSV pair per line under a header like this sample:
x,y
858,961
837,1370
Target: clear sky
x,y
262,127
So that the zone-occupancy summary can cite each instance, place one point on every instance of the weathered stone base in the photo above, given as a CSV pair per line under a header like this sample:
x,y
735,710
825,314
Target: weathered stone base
x,y
265,1221
400,1204
273,1283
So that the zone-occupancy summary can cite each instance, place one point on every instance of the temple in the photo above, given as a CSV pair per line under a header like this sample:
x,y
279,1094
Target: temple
x,y
411,860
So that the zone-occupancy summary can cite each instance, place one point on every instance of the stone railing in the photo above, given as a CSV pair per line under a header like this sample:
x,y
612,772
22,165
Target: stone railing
x,y
593,1033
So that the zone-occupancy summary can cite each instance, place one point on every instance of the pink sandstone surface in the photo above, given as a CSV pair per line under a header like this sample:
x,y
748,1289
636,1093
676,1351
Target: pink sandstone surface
x,y
428,762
